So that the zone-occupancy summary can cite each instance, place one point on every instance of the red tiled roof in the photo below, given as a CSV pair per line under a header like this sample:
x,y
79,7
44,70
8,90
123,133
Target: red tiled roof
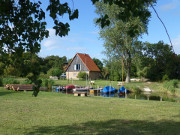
x,y
88,62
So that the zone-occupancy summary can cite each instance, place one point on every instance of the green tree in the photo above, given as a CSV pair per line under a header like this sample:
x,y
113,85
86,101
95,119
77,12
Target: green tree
x,y
11,71
22,28
158,62
2,66
82,75
54,61
118,41
130,9
54,72
105,72
98,63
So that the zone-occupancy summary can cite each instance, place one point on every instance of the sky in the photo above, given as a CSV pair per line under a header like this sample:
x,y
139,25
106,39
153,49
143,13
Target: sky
x,y
84,38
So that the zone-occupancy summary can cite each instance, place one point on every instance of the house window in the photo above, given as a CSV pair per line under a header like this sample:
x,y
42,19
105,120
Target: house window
x,y
77,67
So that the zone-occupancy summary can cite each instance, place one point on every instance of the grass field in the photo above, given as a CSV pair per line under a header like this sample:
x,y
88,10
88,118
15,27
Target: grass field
x,y
56,113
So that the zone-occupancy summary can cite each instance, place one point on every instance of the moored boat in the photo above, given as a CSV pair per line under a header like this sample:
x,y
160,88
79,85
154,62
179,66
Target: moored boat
x,y
122,91
108,89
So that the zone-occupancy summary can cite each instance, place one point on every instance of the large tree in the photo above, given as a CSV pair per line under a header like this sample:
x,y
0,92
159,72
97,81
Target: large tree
x,y
119,41
23,27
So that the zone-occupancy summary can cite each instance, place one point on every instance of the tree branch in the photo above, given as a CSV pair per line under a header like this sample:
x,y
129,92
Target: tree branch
x,y
163,25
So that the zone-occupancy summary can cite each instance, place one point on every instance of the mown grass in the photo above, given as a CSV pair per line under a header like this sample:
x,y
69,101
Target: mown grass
x,y
56,113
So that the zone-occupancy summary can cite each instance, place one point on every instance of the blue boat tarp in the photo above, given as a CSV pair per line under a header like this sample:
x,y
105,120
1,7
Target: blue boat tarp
x,y
122,90
108,89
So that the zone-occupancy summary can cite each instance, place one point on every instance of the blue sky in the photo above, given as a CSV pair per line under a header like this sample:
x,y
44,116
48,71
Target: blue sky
x,y
84,37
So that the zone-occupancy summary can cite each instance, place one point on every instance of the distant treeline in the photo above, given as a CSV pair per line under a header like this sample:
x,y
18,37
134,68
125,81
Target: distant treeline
x,y
155,62
10,65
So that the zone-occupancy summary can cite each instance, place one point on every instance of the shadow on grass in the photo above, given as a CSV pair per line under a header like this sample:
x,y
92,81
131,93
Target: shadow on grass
x,y
114,127
2,93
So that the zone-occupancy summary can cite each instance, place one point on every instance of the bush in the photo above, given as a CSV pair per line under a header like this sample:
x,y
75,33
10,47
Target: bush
x,y
171,85
48,83
10,81
136,90
27,81
43,76
82,75
54,72
165,78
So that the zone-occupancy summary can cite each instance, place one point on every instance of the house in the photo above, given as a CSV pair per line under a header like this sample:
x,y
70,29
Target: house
x,y
82,63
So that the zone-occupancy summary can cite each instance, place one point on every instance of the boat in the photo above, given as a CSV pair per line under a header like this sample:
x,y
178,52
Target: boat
x,y
108,89
81,89
69,87
122,91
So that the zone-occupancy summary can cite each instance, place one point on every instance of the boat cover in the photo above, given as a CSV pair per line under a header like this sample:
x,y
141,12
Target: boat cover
x,y
69,87
122,90
108,89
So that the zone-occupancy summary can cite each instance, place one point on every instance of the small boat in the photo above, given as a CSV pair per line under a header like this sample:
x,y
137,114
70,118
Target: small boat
x,y
122,91
69,87
81,89
108,89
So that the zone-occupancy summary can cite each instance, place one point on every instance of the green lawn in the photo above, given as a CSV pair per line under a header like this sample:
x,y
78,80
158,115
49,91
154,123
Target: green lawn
x,y
55,113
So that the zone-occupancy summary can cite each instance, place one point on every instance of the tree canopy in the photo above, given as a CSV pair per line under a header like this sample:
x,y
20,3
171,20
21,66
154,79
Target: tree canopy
x,y
119,39
23,27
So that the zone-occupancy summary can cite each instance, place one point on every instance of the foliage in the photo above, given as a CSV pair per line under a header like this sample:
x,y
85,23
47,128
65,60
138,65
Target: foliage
x,y
113,69
24,21
119,42
2,66
10,81
105,72
53,62
43,76
1,82
131,9
27,81
165,78
48,83
82,75
23,27
11,71
158,62
136,90
54,72
171,85
98,63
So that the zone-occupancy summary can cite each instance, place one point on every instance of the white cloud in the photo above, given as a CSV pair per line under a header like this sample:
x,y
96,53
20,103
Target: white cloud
x,y
176,44
70,45
50,44
169,6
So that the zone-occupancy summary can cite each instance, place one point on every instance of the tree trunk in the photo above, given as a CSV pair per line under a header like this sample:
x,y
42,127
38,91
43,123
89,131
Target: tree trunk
x,y
128,76
128,67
